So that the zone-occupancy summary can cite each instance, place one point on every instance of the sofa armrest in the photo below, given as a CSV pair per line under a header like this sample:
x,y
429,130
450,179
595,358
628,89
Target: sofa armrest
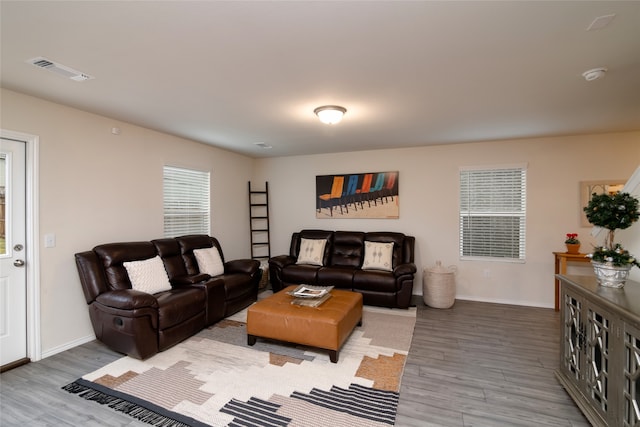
x,y
191,279
127,299
276,265
404,269
247,266
281,261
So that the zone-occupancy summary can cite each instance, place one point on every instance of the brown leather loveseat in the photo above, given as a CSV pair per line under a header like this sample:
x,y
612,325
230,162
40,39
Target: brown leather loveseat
x,y
140,323
345,264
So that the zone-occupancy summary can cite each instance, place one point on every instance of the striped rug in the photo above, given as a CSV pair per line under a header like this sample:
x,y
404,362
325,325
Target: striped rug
x,y
215,379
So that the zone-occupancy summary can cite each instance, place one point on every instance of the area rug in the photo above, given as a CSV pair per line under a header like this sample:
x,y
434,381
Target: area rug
x,y
215,379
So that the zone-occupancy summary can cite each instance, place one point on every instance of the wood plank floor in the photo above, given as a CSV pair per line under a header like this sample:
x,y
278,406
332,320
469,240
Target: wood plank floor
x,y
476,364
480,364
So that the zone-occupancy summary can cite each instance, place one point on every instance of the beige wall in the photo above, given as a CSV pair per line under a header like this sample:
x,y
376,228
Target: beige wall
x,y
96,187
429,203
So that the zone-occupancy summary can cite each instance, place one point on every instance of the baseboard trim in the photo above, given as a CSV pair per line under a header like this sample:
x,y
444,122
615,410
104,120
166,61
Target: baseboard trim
x,y
507,302
538,304
68,346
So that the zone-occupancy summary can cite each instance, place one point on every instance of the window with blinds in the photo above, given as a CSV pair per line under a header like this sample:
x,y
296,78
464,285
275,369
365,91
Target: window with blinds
x,y
493,213
186,202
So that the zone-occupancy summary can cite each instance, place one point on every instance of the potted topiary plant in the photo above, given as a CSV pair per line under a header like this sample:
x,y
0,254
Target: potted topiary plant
x,y
611,262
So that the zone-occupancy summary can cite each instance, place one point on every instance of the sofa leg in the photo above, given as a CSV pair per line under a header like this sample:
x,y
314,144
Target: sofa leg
x,y
333,356
251,339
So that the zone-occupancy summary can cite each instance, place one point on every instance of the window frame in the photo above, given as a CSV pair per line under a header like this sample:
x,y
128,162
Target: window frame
x,y
188,197
494,210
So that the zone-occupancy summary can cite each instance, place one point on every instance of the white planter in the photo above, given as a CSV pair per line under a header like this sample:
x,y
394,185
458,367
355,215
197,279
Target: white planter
x,y
610,275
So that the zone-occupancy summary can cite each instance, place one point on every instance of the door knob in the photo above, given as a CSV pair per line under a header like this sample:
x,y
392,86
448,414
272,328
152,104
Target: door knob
x,y
18,263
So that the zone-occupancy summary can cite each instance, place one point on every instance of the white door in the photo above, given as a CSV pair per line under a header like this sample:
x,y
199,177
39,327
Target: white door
x,y
13,277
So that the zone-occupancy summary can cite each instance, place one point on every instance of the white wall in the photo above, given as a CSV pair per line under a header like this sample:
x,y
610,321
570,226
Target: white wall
x,y
428,186
96,187
629,238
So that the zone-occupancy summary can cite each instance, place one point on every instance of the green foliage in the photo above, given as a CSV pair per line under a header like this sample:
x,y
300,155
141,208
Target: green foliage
x,y
572,239
618,256
612,211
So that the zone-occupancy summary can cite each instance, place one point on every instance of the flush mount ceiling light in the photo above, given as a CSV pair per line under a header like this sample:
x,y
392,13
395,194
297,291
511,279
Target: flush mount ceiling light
x,y
330,114
263,145
594,74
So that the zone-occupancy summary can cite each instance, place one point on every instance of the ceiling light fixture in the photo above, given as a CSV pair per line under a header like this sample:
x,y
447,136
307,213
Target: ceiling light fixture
x,y
594,74
330,114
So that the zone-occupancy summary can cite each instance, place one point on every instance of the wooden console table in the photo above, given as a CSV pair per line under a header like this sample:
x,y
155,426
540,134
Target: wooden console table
x,y
561,268
600,349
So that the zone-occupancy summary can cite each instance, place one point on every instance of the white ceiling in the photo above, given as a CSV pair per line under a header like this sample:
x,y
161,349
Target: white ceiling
x,y
235,73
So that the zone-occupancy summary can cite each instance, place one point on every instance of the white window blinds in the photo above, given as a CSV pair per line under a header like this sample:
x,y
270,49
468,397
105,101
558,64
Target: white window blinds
x,y
186,202
493,213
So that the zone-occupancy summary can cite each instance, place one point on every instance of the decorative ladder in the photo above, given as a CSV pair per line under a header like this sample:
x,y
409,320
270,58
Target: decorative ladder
x,y
259,223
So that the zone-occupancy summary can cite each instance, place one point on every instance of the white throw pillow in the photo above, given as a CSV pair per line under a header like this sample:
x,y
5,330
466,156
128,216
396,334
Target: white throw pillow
x,y
378,256
148,275
209,261
311,251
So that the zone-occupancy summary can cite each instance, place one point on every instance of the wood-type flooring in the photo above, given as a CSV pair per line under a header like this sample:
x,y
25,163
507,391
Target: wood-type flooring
x,y
476,364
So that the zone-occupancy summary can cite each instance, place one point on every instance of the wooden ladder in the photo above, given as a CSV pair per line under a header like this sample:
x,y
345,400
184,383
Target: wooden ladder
x,y
259,223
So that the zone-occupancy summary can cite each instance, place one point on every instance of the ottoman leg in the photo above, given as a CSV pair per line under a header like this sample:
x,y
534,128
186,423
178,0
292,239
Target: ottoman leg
x,y
251,339
333,356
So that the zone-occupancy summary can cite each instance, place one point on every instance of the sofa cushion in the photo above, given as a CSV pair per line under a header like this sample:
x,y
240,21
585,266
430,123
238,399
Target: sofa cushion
x,y
374,280
347,249
301,274
338,276
209,261
235,285
148,275
196,241
112,255
179,305
311,251
169,251
378,256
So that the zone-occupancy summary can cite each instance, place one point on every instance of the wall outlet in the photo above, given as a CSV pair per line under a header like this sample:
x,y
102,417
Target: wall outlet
x,y
486,273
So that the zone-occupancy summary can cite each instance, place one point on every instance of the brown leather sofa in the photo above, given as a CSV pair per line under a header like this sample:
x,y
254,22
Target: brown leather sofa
x,y
140,324
342,266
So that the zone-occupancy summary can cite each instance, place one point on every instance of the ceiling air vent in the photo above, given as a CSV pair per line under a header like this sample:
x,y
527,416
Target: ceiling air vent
x,y
59,69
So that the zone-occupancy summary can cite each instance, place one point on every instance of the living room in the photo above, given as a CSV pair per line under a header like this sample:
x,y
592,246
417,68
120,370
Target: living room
x,y
130,200
98,185
83,143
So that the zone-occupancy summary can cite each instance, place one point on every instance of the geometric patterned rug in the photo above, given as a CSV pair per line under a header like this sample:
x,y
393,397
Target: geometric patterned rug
x,y
215,379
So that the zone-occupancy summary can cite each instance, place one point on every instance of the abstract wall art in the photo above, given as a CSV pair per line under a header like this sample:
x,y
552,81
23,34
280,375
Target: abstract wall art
x,y
358,195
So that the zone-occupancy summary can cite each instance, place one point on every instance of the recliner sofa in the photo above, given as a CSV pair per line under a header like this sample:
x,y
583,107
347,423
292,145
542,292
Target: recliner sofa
x,y
141,324
342,266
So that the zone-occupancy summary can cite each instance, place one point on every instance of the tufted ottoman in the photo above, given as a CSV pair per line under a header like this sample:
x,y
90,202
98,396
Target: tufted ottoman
x,y
327,326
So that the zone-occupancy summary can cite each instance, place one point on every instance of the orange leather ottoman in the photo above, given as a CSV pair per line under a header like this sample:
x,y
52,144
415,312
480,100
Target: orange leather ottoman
x,y
327,326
